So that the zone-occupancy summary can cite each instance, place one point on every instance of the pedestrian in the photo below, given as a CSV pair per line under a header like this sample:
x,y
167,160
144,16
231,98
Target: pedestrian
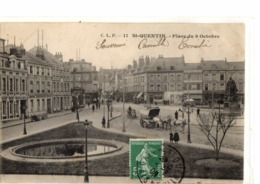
x,y
198,112
96,105
88,104
184,123
103,122
77,114
176,115
171,137
93,108
176,137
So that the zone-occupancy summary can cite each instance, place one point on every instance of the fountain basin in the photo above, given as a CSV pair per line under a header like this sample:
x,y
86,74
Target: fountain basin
x,y
62,150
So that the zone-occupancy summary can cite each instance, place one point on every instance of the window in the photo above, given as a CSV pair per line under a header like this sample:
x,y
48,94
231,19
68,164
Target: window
x,y
158,68
158,77
151,77
23,85
77,77
42,71
11,85
4,84
172,87
38,105
37,70
38,86
31,105
198,86
206,76
214,86
4,108
31,69
43,86
54,86
16,84
222,76
19,65
43,104
158,87
165,87
206,87
172,68
48,72
213,76
165,78
179,87
178,77
222,86
151,87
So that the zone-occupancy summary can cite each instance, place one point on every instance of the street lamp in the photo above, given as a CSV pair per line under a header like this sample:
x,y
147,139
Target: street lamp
x,y
108,105
123,129
86,179
24,124
189,139
212,98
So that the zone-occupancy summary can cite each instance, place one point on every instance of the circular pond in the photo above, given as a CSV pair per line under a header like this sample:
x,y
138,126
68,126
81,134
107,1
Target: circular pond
x,y
64,150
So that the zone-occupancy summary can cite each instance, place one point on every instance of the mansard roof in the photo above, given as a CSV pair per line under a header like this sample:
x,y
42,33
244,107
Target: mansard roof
x,y
167,64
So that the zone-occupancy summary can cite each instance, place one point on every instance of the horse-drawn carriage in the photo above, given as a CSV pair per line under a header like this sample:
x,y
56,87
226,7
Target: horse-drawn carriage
x,y
149,117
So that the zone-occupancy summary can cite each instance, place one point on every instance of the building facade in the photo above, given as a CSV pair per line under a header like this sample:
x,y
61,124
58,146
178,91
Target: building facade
x,y
172,80
59,80
13,89
84,81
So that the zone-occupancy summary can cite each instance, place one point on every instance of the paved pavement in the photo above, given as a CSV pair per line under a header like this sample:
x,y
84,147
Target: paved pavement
x,y
11,178
16,132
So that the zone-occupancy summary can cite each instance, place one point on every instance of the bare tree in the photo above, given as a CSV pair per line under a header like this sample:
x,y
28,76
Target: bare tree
x,y
215,127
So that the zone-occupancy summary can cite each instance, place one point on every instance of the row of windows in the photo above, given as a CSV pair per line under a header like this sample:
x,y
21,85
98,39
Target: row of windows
x,y
191,76
85,77
39,70
13,64
13,85
10,108
58,102
40,105
61,87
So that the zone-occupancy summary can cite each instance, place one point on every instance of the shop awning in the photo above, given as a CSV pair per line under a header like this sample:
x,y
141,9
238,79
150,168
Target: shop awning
x,y
139,95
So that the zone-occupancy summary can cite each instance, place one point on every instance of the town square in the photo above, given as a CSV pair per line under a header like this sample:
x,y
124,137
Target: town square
x,y
88,112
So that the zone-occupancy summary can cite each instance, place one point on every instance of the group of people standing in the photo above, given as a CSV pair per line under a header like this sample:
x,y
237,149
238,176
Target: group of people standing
x,y
174,137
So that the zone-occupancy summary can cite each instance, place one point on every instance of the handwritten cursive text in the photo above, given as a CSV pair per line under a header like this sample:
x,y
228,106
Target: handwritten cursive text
x,y
186,45
161,42
104,45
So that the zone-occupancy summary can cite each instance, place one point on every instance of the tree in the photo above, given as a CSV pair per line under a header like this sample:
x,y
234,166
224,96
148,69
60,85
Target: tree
x,y
215,127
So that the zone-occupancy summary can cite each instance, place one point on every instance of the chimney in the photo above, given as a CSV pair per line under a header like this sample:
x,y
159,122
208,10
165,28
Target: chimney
x,y
134,63
147,60
141,61
202,60
2,47
128,67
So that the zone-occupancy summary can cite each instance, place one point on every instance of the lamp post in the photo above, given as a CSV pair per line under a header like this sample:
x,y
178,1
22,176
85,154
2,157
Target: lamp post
x,y
108,104
189,138
24,123
123,129
86,179
212,98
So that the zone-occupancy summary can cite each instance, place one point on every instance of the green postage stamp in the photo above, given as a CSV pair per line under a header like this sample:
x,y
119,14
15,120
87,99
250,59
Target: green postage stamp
x,y
146,159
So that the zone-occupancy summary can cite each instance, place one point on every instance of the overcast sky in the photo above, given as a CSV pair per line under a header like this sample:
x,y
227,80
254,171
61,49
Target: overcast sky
x,y
228,41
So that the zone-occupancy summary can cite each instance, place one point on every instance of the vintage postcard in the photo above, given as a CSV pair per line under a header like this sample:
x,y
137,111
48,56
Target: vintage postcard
x,y
122,102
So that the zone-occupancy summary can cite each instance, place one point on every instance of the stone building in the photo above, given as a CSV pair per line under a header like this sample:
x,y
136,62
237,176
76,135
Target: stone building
x,y
13,89
84,81
58,80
